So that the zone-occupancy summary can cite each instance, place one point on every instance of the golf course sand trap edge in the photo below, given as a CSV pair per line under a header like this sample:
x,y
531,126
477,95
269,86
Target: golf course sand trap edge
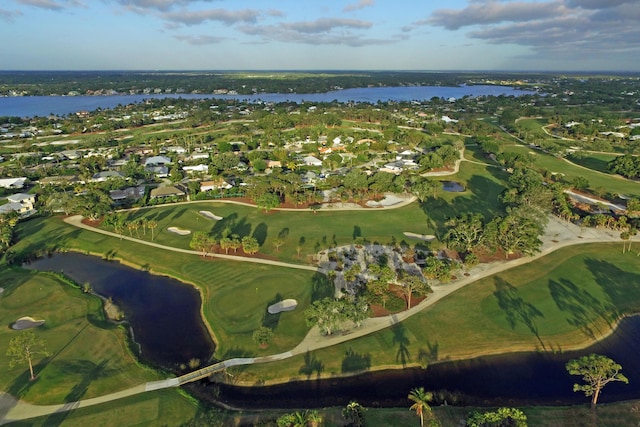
x,y
26,322
425,237
179,231
210,215
284,305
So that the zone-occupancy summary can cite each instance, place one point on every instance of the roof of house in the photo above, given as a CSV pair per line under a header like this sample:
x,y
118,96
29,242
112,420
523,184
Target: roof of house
x,y
157,160
167,191
20,197
12,182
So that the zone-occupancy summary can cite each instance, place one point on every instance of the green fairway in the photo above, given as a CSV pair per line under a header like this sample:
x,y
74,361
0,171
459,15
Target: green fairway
x,y
612,184
596,162
89,357
562,301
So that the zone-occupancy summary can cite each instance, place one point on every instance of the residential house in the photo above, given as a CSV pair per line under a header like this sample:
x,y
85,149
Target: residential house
x,y
216,184
157,161
13,183
22,203
312,161
129,194
59,180
105,175
196,168
167,191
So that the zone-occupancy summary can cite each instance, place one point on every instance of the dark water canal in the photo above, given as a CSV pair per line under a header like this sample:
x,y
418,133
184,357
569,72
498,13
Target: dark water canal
x,y
165,317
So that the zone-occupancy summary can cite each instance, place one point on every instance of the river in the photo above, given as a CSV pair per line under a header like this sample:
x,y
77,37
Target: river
x,y
161,310
43,106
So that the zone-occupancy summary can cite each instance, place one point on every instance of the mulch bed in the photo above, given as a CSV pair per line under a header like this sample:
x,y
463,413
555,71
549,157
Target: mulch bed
x,y
378,310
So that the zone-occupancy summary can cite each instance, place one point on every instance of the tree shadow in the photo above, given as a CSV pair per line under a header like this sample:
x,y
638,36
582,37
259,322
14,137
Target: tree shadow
x,y
355,362
581,308
237,352
284,233
260,233
90,372
179,213
271,320
400,338
311,365
429,354
357,232
516,309
226,222
621,286
321,287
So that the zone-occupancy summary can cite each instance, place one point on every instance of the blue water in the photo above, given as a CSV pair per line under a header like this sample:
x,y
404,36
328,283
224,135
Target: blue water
x,y
43,106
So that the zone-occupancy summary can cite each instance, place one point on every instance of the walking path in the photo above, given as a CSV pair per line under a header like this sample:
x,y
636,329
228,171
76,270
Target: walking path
x,y
558,234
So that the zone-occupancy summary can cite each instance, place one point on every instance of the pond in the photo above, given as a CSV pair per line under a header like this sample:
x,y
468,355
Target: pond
x,y
506,380
164,313
452,186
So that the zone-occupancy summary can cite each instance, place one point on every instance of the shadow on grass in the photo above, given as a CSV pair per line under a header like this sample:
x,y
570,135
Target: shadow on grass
x,y
90,372
516,309
260,233
311,365
355,362
402,341
237,352
271,320
622,287
227,222
321,287
429,354
581,308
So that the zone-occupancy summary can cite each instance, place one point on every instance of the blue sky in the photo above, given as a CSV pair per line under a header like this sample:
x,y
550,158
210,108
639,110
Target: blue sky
x,y
330,34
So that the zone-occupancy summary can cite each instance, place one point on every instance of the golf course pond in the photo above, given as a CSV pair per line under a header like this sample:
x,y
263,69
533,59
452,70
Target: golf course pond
x,y
165,317
163,313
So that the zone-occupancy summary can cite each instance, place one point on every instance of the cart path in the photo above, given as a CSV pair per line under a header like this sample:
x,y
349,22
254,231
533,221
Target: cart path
x,y
558,234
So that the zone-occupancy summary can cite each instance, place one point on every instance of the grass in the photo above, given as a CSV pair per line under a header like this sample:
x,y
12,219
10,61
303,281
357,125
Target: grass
x,y
559,302
596,162
89,357
162,407
613,184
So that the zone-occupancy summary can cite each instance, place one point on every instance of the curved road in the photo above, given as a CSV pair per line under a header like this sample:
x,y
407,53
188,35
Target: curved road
x,y
558,234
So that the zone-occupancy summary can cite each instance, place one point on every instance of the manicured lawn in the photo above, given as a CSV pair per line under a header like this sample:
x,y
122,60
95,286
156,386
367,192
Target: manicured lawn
x,y
611,183
89,357
162,407
597,162
558,302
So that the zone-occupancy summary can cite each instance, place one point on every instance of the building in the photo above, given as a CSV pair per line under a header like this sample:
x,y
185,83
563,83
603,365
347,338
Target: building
x,y
167,191
13,183
22,203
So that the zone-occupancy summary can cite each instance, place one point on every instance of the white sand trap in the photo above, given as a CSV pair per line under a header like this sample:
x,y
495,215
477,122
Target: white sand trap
x,y
1,291
26,322
425,237
210,215
285,305
179,231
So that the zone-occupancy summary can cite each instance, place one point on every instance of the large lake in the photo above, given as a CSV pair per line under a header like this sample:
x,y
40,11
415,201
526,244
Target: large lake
x,y
42,106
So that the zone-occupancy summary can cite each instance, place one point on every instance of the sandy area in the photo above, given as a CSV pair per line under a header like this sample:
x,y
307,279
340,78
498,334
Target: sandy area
x,y
210,215
425,237
1,291
284,305
180,231
389,200
26,322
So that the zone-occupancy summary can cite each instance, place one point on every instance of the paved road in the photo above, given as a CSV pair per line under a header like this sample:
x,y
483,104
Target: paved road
x,y
558,234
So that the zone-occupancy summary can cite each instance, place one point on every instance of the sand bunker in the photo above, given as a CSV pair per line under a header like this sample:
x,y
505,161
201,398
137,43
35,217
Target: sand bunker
x,y
180,231
210,215
285,305
425,237
26,322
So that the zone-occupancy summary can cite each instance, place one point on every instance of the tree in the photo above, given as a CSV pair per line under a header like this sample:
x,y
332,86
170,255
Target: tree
x,y
597,371
353,414
413,284
327,314
201,241
510,417
268,201
250,245
152,226
420,399
424,188
262,336
465,232
23,348
277,243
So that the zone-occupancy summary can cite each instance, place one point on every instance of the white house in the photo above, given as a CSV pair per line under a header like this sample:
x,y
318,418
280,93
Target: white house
x,y
196,168
219,183
13,182
22,203
157,161
312,161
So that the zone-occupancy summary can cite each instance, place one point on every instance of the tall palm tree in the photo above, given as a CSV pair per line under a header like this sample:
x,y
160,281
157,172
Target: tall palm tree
x,y
420,399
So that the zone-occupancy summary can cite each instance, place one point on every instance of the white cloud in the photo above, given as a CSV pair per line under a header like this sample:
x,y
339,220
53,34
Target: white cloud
x,y
52,4
361,4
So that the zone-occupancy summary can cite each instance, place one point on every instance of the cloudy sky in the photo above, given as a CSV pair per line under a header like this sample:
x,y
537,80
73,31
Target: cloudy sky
x,y
329,34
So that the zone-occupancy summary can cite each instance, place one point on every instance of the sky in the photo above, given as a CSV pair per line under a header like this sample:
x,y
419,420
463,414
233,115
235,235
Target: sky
x,y
519,35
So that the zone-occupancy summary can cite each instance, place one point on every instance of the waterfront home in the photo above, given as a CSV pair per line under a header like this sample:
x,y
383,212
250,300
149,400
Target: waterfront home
x,y
22,203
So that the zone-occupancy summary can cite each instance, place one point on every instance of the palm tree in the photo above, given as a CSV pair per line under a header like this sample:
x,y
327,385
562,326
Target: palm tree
x,y
420,399
152,225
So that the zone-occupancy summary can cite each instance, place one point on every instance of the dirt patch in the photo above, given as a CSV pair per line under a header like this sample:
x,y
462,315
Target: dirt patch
x,y
377,310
